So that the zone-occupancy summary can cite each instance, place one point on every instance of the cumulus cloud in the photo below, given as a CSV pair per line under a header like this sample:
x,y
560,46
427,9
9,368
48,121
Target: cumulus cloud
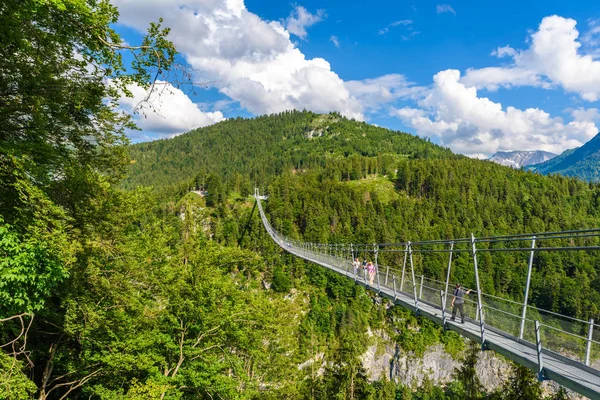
x,y
444,8
586,114
473,125
504,51
251,60
492,78
166,110
300,19
376,92
552,59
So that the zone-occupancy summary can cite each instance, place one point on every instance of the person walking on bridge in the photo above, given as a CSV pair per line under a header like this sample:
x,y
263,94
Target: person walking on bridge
x,y
356,264
458,302
371,271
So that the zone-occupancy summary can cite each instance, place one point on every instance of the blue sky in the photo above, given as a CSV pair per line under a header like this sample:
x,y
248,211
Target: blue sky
x,y
476,78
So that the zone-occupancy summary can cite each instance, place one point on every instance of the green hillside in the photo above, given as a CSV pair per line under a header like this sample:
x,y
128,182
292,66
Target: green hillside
x,y
245,152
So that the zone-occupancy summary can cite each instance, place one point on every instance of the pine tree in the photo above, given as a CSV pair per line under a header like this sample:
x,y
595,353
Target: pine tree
x,y
522,384
467,373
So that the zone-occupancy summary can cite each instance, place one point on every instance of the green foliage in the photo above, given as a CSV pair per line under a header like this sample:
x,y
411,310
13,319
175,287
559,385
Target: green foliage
x,y
380,186
466,374
36,249
58,116
454,344
28,272
62,142
561,394
14,384
346,196
175,315
521,385
414,334
384,389
428,391
281,281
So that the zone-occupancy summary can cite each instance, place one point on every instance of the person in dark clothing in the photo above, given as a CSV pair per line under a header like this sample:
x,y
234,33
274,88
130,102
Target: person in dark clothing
x,y
458,302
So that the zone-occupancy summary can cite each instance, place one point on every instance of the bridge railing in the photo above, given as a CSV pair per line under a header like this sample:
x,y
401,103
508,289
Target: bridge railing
x,y
576,339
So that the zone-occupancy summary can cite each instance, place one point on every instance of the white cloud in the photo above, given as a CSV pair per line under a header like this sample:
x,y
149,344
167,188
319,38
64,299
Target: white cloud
x,y
335,41
373,93
250,60
553,58
444,8
166,110
582,114
492,78
475,125
403,22
479,156
504,51
300,19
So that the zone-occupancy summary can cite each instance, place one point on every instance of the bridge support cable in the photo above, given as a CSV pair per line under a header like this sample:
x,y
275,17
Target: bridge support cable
x,y
414,283
540,355
404,267
479,300
588,347
557,347
527,284
445,291
376,251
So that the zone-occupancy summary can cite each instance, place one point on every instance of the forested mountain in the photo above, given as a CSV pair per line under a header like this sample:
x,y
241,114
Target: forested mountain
x,y
582,162
255,151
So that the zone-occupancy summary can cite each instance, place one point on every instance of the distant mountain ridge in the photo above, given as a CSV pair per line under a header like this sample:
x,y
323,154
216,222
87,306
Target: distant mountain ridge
x,y
518,158
582,162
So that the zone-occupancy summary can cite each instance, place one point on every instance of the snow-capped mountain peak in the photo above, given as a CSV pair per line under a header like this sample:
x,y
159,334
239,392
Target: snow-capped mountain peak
x,y
518,158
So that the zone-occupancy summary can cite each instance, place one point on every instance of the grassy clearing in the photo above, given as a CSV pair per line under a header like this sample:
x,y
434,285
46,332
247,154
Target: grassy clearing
x,y
381,185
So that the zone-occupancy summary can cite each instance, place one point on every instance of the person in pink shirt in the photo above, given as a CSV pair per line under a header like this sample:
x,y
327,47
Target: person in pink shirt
x,y
371,271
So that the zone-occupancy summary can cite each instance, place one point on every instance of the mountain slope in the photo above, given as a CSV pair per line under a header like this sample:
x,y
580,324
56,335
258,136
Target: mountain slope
x,y
518,159
250,151
582,162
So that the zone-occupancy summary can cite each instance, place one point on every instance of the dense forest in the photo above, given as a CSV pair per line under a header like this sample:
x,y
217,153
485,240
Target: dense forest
x,y
117,282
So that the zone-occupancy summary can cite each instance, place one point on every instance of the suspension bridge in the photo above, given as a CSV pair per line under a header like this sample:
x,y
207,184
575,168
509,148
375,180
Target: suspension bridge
x,y
558,347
